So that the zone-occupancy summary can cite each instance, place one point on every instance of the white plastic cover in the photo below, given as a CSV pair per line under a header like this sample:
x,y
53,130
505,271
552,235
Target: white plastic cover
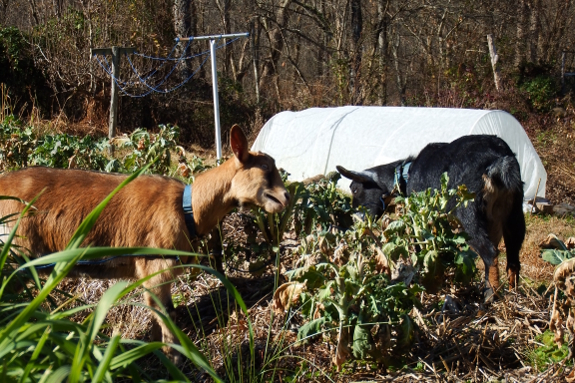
x,y
314,141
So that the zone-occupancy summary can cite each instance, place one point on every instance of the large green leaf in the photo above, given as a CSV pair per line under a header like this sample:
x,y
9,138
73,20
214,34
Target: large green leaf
x,y
310,329
466,266
394,251
555,257
363,345
407,333
395,227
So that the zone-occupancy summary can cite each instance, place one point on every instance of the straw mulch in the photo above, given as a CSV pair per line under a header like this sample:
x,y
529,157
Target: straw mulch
x,y
460,340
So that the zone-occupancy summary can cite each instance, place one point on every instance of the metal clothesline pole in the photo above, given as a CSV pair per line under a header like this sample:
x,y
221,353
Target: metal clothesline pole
x,y
213,39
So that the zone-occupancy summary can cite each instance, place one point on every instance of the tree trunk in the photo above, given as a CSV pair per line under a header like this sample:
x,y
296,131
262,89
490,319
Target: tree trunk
x,y
561,20
356,28
382,49
224,7
494,61
34,12
57,4
184,26
4,10
522,29
276,42
254,41
400,82
535,31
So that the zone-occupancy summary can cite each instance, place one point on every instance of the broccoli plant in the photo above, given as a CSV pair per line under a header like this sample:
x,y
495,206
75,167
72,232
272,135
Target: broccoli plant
x,y
431,236
144,147
354,293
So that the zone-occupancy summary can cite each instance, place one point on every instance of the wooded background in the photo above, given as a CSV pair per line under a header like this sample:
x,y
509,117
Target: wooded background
x,y
299,54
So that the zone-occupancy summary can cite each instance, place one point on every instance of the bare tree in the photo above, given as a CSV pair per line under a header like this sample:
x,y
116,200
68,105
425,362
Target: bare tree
x,y
400,78
522,31
57,4
224,8
534,30
34,12
274,25
356,31
184,26
4,4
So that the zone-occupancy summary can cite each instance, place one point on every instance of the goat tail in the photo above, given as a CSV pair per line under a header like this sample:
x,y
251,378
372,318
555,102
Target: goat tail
x,y
506,174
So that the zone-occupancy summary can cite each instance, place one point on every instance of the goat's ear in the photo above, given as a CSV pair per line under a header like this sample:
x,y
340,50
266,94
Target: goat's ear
x,y
239,143
355,176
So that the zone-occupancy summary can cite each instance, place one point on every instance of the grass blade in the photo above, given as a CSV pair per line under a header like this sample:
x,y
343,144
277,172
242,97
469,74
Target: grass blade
x,y
98,316
104,363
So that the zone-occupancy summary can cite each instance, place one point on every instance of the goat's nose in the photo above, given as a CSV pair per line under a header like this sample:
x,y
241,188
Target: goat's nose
x,y
287,196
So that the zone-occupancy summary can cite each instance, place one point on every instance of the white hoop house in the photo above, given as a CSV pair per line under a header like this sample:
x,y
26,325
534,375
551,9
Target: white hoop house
x,y
314,141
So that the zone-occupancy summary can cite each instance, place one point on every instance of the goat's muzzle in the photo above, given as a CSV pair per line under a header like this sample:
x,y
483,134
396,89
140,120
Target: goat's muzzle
x,y
276,200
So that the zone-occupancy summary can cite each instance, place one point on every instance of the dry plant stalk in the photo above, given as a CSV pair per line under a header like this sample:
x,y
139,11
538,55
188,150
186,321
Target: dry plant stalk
x,y
564,281
342,352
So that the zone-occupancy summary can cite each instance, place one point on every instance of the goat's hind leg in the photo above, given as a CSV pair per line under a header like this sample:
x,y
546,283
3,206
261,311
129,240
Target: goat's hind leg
x,y
158,296
513,235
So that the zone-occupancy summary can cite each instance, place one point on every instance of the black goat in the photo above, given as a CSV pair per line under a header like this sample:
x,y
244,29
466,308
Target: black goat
x,y
487,166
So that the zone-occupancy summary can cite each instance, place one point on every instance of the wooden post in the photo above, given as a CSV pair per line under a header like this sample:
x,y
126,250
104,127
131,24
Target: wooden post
x,y
494,60
563,72
113,122
115,52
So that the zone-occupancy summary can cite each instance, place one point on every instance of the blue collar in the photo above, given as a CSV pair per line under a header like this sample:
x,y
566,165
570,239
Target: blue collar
x,y
188,213
401,176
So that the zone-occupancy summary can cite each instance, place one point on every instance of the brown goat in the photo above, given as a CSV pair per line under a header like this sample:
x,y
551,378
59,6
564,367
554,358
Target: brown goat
x,y
145,213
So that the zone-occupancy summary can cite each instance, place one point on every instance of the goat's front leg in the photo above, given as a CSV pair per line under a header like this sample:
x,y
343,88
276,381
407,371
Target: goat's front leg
x,y
488,253
491,278
216,249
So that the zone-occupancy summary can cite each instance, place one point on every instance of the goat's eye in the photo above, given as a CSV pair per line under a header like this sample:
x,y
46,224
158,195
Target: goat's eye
x,y
265,167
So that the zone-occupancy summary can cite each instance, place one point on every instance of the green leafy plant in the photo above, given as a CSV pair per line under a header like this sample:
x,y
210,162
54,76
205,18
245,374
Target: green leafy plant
x,y
144,147
16,144
536,82
64,151
350,297
356,290
189,168
20,147
322,206
541,91
429,233
318,205
557,255
547,352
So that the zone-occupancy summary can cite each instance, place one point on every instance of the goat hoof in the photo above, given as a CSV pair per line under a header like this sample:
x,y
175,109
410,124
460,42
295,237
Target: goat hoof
x,y
176,358
489,295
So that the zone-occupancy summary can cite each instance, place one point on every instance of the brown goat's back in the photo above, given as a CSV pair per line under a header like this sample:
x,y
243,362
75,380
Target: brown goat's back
x,y
70,195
